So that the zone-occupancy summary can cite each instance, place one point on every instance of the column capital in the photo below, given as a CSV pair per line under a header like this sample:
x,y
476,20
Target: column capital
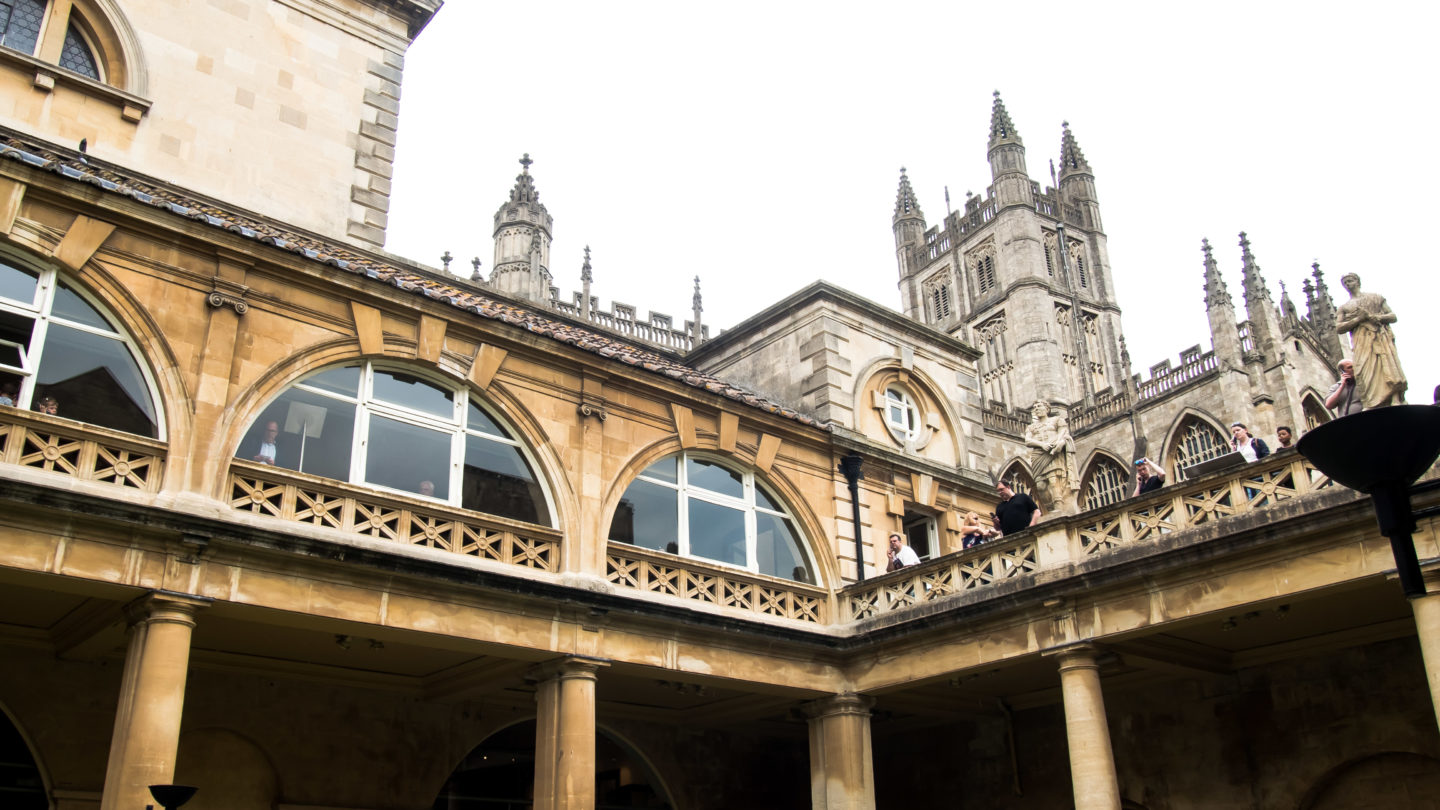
x,y
850,703
571,666
1081,655
166,606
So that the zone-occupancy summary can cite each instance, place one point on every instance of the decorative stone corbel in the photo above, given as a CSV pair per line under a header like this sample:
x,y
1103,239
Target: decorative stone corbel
x,y
228,294
592,406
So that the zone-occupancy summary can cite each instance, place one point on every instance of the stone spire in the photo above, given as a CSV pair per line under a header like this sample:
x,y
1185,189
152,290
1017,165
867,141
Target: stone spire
x,y
1220,311
1289,316
1216,293
695,309
1321,311
523,230
586,276
1002,129
908,225
906,206
1256,290
1072,160
1259,307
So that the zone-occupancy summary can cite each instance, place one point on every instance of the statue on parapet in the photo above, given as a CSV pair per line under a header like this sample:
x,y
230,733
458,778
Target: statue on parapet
x,y
1052,459
1367,318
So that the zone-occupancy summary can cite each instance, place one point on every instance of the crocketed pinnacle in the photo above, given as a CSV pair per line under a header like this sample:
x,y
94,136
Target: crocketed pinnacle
x,y
1072,160
1216,293
695,302
906,206
524,190
585,273
1002,129
1254,282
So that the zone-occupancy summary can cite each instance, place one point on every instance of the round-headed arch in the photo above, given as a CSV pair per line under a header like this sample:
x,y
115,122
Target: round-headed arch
x,y
394,426
904,404
709,506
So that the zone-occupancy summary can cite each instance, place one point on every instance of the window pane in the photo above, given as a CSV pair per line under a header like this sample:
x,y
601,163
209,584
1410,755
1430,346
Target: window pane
x,y
70,306
344,380
663,470
326,428
404,457
76,56
15,331
499,481
717,532
764,501
702,474
17,284
23,29
412,392
648,516
95,380
479,421
777,551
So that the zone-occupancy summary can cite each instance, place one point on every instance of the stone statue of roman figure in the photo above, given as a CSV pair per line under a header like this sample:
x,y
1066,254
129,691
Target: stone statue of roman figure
x,y
1367,318
1052,459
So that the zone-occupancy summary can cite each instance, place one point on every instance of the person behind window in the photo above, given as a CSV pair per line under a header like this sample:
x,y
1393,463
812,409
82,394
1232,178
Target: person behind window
x,y
427,489
1343,399
267,444
973,532
1017,511
1251,448
8,393
901,555
1284,437
1148,477
49,405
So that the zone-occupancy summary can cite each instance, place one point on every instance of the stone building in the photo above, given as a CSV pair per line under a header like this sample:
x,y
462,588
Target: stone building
x,y
310,526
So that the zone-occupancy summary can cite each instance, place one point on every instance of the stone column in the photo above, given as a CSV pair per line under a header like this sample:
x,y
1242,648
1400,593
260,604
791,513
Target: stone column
x,y
565,734
1092,764
152,695
1427,627
842,776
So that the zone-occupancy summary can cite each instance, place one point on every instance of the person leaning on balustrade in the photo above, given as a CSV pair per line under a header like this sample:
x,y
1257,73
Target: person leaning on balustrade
x,y
973,532
1252,448
1148,477
900,554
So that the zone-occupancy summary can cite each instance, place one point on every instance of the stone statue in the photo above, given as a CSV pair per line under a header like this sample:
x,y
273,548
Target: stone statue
x,y
1052,459
1367,318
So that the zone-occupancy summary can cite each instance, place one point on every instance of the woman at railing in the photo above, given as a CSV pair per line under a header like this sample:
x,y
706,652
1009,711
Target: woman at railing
x,y
973,532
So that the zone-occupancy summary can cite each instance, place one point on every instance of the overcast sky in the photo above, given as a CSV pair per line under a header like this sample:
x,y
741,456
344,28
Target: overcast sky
x,y
758,145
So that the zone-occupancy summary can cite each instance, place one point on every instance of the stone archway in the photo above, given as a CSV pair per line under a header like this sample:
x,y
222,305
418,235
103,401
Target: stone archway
x,y
499,774
21,783
1395,780
232,772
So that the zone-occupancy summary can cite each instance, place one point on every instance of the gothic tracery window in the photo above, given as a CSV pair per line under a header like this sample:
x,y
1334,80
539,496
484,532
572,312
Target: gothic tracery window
x,y
1196,441
695,506
1107,483
1018,478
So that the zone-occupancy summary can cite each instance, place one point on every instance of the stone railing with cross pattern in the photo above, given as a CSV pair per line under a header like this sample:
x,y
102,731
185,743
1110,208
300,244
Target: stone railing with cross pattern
x,y
1279,477
968,570
80,451
300,498
691,580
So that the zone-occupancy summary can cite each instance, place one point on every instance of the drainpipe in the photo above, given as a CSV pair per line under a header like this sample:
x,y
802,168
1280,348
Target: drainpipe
x,y
850,468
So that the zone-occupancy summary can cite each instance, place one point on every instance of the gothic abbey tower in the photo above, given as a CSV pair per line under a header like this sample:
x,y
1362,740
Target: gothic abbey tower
x,y
994,273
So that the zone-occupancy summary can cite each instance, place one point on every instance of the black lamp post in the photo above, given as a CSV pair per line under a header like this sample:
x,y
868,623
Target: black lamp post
x,y
1381,453
171,797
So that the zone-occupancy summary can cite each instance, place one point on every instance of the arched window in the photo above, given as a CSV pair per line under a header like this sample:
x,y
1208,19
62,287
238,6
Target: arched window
x,y
1196,441
22,21
1107,483
388,428
60,354
1018,478
1315,413
697,507
902,417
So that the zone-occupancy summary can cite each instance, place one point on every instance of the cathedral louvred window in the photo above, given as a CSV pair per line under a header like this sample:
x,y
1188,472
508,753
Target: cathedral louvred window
x,y
696,506
940,301
985,273
1107,483
1197,441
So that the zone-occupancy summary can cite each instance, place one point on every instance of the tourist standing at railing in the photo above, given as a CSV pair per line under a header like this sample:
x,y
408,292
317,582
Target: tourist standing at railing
x,y
1017,511
1284,438
1343,399
49,405
973,532
1148,477
901,555
1250,447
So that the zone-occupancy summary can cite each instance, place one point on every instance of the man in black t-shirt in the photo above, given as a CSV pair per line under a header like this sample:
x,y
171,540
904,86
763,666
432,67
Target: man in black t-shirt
x,y
1016,512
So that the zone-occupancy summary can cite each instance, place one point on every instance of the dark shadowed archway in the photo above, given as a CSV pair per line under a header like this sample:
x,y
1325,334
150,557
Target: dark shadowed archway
x,y
22,786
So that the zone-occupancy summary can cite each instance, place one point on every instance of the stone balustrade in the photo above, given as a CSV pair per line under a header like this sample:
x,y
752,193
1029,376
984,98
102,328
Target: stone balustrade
x,y
692,580
80,451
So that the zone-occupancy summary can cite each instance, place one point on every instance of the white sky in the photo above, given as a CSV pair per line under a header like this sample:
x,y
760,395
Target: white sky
x,y
758,145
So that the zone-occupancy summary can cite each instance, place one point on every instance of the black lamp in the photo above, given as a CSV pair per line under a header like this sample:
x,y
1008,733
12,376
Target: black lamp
x,y
1381,453
171,797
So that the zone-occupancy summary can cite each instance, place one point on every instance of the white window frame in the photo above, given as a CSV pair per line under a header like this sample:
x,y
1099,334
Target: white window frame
x,y
39,309
899,398
746,504
367,405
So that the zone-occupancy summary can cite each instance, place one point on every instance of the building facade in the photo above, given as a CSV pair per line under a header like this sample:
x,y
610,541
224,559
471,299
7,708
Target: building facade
x,y
309,526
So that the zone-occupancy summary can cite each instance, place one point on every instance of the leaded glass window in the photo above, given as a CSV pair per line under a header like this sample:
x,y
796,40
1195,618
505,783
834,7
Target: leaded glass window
x,y
393,430
696,506
20,22
1108,483
61,354
1197,441
1018,478
77,56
